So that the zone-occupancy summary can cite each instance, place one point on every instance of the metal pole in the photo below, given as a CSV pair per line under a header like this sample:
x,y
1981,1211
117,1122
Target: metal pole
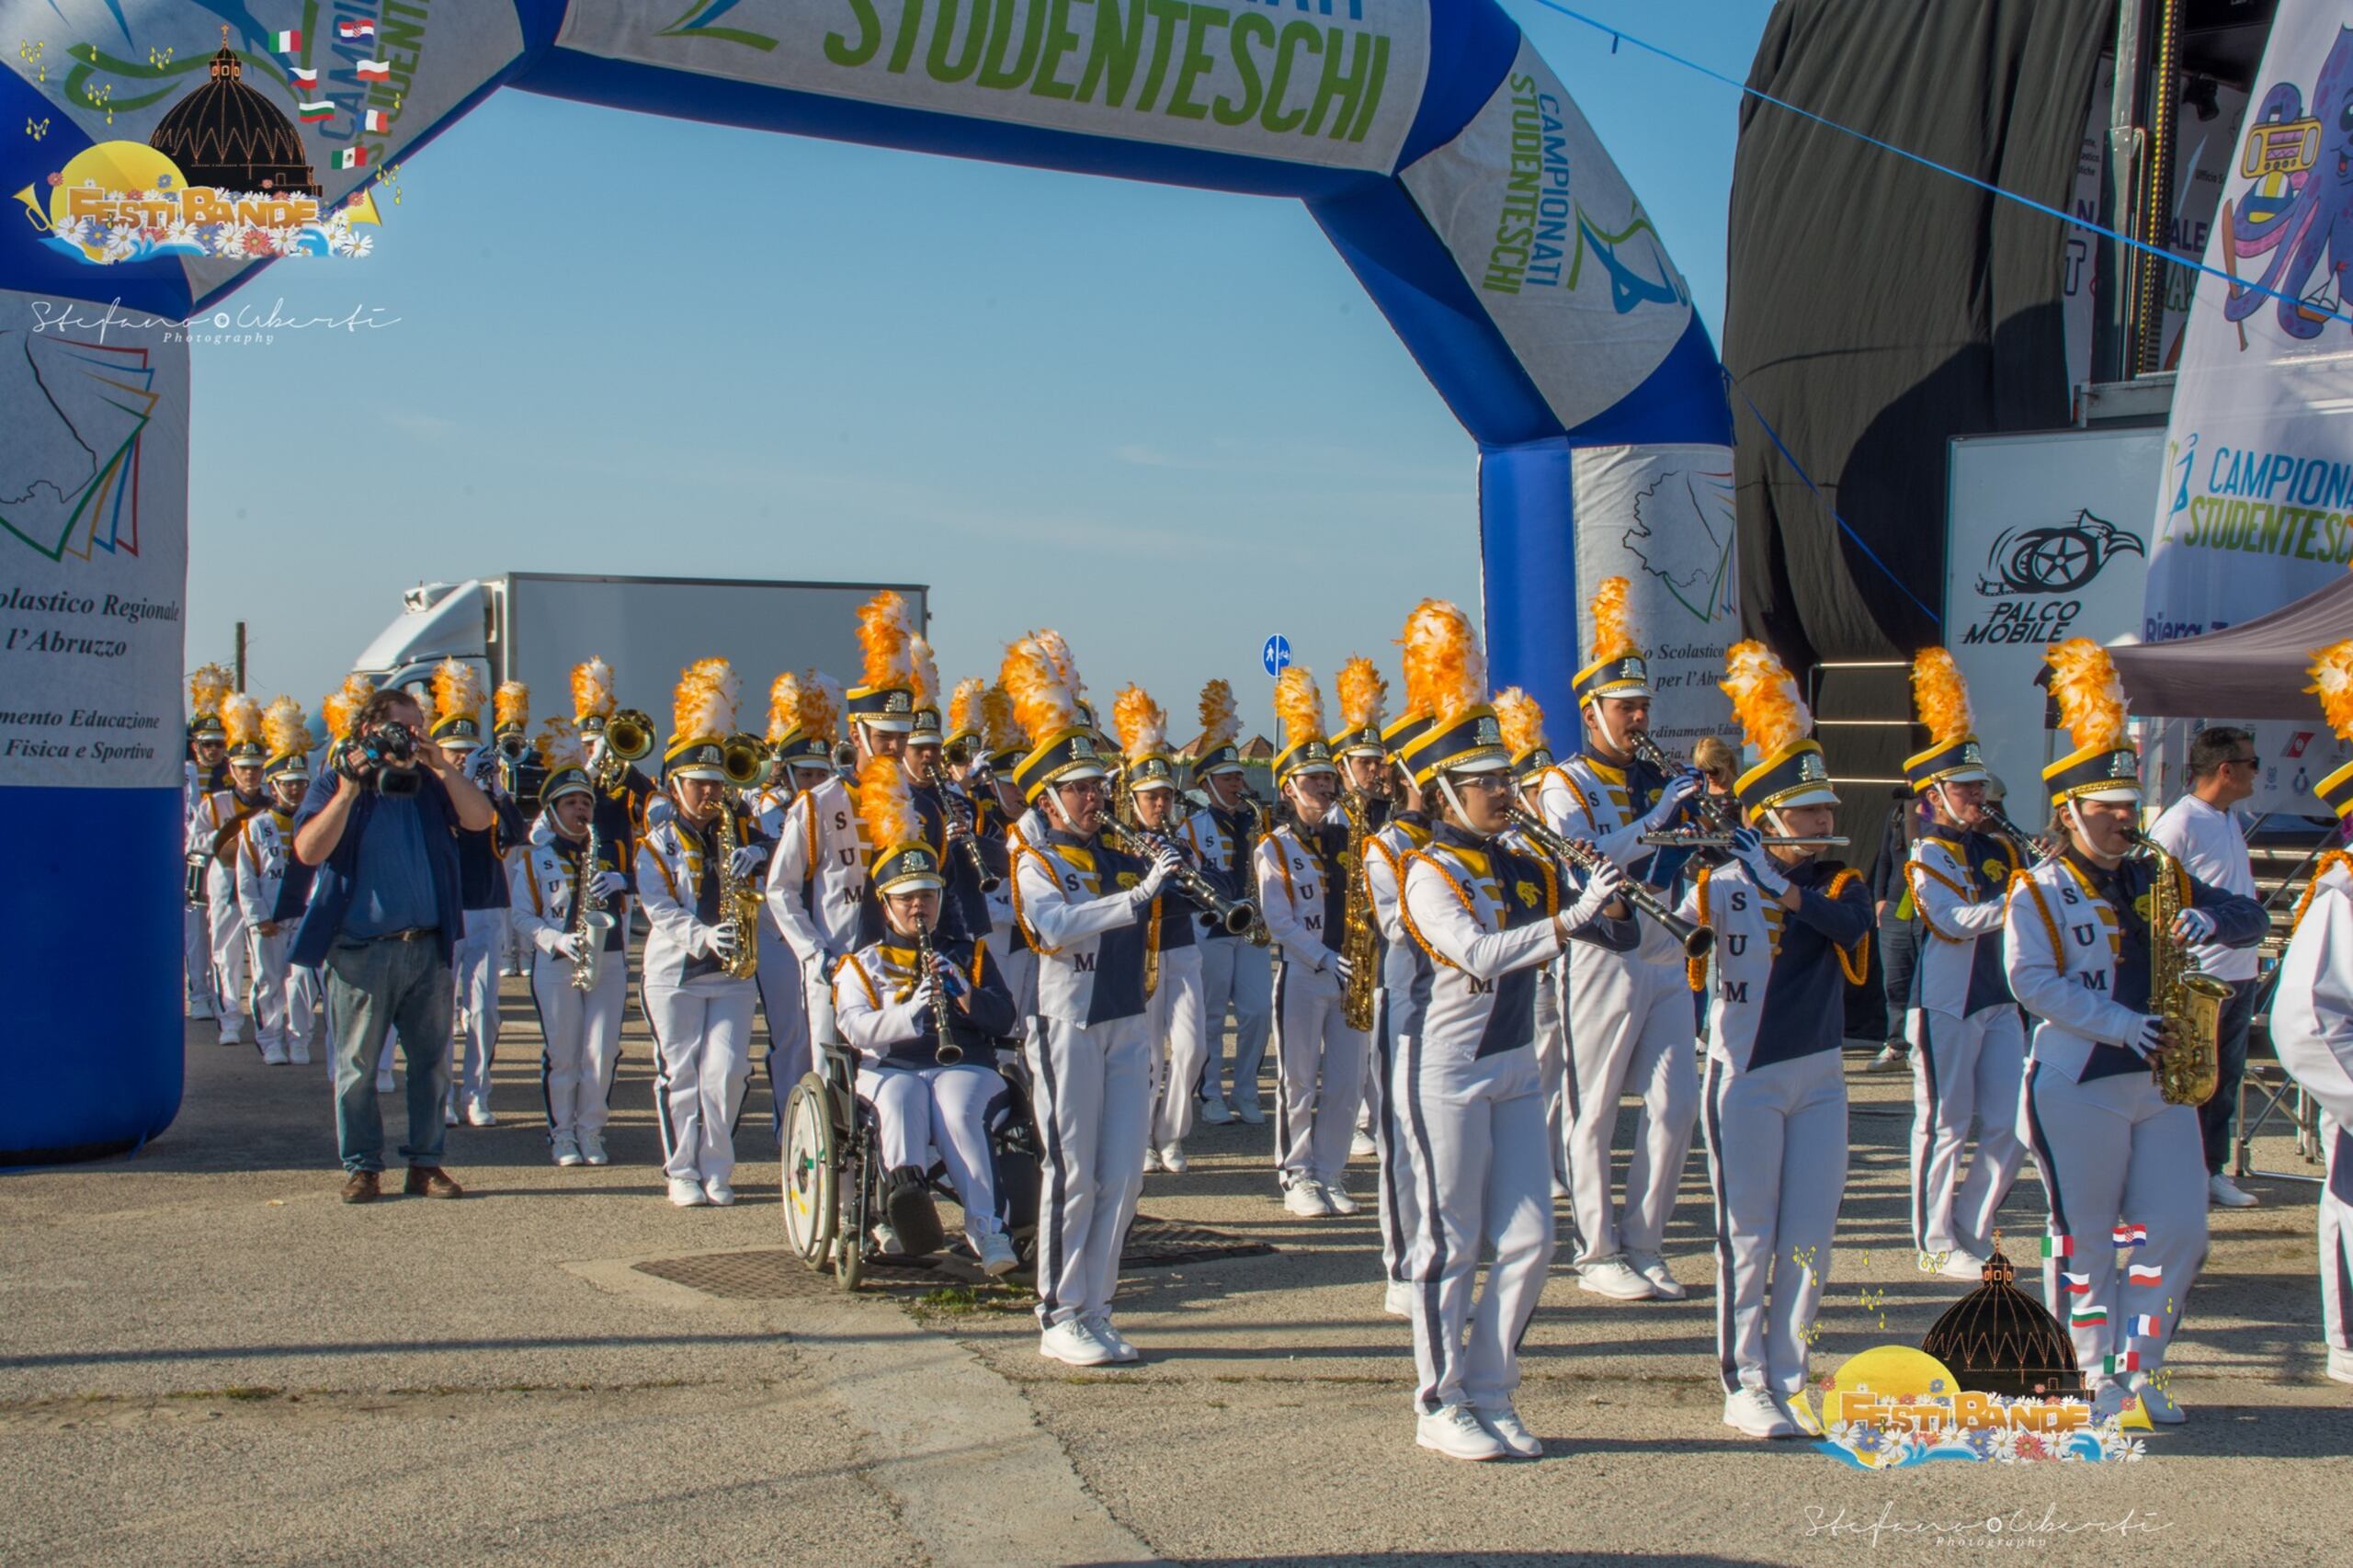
x,y
2156,195
2117,273
240,655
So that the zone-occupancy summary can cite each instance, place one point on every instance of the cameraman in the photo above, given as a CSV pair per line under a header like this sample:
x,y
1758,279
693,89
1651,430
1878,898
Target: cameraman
x,y
383,918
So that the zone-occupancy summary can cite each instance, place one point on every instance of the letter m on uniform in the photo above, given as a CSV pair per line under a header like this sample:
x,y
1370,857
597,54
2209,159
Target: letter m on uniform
x,y
1733,990
1083,962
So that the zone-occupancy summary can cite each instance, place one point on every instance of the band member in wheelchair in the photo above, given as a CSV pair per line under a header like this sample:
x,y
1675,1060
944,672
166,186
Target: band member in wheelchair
x,y
1483,919
1180,1027
2080,943
924,1023
1792,931
285,998
574,914
213,831
1237,973
701,952
1303,872
1089,913
1967,1043
205,773
2312,1018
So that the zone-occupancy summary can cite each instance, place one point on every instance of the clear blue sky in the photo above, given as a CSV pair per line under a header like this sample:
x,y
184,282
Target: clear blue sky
x,y
1167,422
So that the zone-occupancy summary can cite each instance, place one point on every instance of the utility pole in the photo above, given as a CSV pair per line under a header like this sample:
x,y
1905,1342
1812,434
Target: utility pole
x,y
240,655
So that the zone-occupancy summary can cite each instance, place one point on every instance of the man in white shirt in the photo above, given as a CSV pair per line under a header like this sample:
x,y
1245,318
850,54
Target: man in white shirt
x,y
2202,832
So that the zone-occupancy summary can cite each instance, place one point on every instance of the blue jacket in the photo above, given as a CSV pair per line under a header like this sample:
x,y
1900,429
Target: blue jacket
x,y
331,885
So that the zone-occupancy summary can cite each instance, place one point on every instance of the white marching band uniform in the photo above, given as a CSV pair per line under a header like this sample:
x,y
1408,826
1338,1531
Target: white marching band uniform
x,y
1319,1060
1399,1205
196,923
581,1030
784,999
286,998
815,891
2312,1028
1180,1020
1237,974
216,820
700,1015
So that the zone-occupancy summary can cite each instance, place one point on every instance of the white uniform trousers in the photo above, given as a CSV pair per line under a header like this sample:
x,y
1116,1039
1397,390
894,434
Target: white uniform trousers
x,y
1019,968
1480,1152
1776,1160
1318,1075
1553,1070
2109,1150
2336,1241
284,997
1629,1027
581,1032
920,1110
785,1005
702,1049
514,950
195,954
1237,973
1091,1093
1399,1201
473,970
225,924
1180,1044
1964,1070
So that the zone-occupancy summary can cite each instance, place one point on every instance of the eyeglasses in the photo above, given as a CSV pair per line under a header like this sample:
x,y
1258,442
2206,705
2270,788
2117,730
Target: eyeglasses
x,y
2240,762
1493,783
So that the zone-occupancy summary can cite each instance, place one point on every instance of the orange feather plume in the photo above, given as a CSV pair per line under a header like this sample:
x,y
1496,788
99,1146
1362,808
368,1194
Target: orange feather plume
x,y
2332,671
510,705
886,810
1445,672
241,716
1613,621
965,706
558,745
1765,698
926,672
1363,694
1521,719
457,690
1219,723
823,704
591,691
997,728
784,706
1299,705
703,703
342,705
1141,724
885,633
207,688
2090,697
283,730
1051,643
1942,693
1042,705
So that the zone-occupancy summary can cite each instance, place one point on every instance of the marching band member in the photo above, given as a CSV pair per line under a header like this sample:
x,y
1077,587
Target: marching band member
x,y
927,1092
2312,1019
1180,1021
1521,719
1237,973
698,996
1628,1014
945,810
2079,947
1792,931
551,876
1968,1042
802,762
964,740
285,998
520,778
623,791
1087,910
482,872
816,881
1481,920
205,773
1363,763
1001,821
1303,872
213,830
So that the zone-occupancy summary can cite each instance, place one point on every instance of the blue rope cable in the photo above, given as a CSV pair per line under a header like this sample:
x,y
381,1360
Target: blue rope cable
x,y
1845,527
2196,263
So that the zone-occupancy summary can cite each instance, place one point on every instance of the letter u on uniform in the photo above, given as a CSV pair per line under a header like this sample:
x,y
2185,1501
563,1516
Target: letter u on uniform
x,y
2082,934
1735,943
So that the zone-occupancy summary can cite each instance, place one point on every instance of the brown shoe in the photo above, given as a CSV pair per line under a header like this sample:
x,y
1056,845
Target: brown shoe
x,y
431,1181
362,1187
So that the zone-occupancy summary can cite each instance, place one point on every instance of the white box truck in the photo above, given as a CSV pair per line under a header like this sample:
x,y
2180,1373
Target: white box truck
x,y
534,626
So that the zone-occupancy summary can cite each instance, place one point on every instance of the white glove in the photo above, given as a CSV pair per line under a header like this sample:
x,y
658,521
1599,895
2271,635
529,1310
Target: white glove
x,y
2151,1036
1163,865
1342,968
1748,849
1677,790
919,999
721,942
1601,886
568,947
607,885
748,858
2193,925
482,768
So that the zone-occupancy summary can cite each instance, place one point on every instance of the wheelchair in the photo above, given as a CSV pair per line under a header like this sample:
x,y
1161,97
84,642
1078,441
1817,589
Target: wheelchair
x,y
834,1182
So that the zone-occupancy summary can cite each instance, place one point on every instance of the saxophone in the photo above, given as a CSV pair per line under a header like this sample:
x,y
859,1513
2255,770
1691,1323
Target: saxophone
x,y
1359,938
2189,1000
739,906
589,919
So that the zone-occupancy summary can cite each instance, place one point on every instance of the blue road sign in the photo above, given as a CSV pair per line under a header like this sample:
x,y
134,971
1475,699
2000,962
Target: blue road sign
x,y
1275,654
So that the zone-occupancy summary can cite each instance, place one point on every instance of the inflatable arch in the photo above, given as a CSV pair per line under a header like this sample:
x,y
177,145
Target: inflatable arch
x,y
1435,148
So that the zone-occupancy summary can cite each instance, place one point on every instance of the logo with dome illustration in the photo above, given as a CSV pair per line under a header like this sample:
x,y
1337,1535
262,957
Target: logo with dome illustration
x,y
224,176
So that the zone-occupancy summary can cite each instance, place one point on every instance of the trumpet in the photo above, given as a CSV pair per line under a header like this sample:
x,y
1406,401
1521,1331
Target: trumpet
x,y
960,828
1697,940
1234,917
629,737
947,1053
1684,839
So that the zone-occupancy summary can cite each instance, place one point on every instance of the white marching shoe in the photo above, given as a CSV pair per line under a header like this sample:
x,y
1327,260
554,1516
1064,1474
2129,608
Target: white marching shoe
x,y
2340,1364
2221,1192
718,1194
478,1112
591,1149
1074,1345
1653,1268
1753,1413
1171,1158
1503,1424
1151,1158
1338,1197
299,1054
1616,1278
1962,1264
565,1149
1453,1431
273,1055
1306,1199
1099,1326
996,1254
686,1193
1361,1146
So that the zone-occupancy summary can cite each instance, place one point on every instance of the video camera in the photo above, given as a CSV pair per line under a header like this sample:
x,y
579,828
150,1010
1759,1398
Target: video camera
x,y
386,757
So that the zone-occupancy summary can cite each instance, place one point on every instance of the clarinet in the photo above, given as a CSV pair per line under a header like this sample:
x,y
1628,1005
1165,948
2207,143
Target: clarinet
x,y
948,1053
960,829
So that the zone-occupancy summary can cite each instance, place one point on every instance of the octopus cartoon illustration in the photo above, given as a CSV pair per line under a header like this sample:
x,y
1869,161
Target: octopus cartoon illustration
x,y
2314,221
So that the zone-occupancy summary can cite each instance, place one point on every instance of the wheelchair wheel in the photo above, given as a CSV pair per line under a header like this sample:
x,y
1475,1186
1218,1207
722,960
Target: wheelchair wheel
x,y
849,1234
811,1170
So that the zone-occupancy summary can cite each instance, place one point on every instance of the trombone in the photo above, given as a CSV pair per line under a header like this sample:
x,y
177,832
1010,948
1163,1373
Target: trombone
x,y
1697,940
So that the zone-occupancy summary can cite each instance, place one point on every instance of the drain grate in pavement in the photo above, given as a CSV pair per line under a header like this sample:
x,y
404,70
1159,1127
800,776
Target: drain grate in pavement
x,y
769,1274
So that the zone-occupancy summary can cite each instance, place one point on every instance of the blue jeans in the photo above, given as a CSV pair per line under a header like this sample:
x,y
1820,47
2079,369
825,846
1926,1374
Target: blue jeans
x,y
371,988
2215,1116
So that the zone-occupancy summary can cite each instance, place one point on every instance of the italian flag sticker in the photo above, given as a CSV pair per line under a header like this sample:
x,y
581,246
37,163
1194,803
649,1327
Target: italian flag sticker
x,y
288,42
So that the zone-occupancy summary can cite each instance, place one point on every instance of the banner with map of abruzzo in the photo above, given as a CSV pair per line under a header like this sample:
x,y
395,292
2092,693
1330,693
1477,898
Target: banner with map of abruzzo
x,y
1662,518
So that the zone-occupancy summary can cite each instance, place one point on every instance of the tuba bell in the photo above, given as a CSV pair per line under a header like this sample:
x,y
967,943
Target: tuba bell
x,y
747,761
